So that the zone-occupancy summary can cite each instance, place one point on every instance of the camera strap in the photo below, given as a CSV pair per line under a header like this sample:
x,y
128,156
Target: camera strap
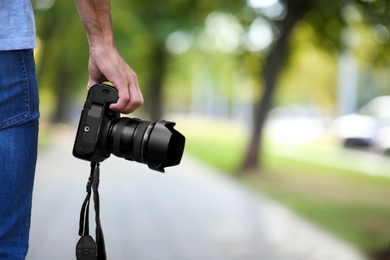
x,y
86,248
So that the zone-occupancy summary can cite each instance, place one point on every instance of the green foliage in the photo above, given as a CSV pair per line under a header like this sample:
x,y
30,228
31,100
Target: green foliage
x,y
61,57
142,27
62,44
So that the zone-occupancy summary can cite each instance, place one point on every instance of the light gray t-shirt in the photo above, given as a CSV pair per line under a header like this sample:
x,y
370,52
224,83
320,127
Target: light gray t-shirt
x,y
17,25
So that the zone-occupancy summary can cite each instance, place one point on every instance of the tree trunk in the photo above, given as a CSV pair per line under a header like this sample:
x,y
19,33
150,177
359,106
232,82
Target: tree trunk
x,y
61,95
155,94
272,68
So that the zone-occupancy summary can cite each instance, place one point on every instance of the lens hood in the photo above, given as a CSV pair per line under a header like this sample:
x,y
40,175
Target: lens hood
x,y
165,146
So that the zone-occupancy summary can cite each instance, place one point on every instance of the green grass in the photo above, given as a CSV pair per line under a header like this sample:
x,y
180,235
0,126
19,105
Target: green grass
x,y
352,206
327,186
219,144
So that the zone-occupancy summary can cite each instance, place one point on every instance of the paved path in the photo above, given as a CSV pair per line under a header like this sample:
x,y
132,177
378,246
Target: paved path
x,y
188,213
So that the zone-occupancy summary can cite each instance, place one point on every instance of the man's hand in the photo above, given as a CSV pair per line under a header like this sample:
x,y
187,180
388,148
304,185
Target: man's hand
x,y
107,65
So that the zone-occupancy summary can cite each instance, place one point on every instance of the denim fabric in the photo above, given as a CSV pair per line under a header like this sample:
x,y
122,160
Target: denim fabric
x,y
18,149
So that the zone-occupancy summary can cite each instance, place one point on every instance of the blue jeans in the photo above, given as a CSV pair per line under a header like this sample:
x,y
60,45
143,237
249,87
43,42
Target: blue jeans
x,y
19,115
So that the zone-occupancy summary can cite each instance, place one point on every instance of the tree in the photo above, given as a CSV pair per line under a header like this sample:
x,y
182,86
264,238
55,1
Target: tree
x,y
158,22
60,50
273,65
317,14
141,29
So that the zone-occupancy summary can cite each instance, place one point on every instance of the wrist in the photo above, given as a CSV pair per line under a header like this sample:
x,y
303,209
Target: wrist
x,y
99,42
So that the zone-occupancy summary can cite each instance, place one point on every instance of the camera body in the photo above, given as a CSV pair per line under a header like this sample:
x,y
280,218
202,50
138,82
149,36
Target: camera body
x,y
91,138
102,131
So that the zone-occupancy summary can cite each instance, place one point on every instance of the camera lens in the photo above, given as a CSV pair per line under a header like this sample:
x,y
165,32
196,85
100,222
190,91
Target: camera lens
x,y
157,144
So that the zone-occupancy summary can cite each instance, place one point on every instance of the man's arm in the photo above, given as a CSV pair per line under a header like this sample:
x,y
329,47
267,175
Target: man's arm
x,y
105,63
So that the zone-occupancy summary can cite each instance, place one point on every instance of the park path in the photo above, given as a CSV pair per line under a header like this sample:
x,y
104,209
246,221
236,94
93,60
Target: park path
x,y
189,213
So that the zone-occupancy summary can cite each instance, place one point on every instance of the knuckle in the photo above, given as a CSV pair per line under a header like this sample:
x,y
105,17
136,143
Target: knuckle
x,y
139,102
125,99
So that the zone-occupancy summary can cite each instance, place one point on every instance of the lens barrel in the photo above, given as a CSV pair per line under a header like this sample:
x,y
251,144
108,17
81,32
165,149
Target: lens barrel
x,y
157,144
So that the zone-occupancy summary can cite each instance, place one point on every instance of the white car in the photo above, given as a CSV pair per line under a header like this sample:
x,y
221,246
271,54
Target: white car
x,y
369,127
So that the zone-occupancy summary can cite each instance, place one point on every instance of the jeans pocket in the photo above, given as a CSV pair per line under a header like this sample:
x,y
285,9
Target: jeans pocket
x,y
14,88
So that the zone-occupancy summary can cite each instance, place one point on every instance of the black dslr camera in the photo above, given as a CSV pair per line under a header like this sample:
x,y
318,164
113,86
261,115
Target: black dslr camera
x,y
102,131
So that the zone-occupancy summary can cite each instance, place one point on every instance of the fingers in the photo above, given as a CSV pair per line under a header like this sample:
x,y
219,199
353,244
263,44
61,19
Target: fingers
x,y
109,66
129,100
91,83
130,97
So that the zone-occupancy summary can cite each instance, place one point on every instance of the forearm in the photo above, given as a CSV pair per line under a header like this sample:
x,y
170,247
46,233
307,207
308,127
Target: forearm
x,y
96,17
105,62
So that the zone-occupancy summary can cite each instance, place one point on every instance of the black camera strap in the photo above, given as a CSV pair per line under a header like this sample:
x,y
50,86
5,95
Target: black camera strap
x,y
86,248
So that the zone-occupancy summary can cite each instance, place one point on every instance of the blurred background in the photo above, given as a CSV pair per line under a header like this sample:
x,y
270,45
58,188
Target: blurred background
x,y
287,97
